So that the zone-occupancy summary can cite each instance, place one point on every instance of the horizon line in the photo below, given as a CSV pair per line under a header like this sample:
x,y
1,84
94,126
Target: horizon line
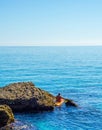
x,y
47,45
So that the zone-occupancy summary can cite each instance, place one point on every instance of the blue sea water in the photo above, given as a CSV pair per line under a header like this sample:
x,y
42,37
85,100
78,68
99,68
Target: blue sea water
x,y
75,72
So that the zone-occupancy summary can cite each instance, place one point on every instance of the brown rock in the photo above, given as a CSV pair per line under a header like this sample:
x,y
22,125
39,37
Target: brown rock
x,y
69,102
24,96
6,115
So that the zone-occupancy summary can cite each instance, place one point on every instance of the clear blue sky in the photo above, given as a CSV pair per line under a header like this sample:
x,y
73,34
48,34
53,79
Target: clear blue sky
x,y
50,22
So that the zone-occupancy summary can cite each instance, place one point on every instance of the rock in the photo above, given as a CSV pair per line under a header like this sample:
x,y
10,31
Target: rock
x,y
18,125
24,96
69,102
6,115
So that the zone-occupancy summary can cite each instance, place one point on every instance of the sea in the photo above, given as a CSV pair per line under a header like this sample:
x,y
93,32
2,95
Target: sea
x,y
73,71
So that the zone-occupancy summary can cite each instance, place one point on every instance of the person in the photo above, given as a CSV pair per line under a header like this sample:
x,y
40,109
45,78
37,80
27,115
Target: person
x,y
59,98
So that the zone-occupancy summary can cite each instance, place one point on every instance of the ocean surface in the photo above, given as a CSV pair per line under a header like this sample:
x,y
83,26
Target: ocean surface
x,y
75,72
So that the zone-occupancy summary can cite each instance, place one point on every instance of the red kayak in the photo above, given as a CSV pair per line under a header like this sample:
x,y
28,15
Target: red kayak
x,y
59,103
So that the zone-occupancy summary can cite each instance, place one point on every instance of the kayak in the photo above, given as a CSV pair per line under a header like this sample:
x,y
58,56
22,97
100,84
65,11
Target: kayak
x,y
59,103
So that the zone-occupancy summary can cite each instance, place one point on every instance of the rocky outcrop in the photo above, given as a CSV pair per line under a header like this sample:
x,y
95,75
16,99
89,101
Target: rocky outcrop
x,y
24,96
69,102
18,125
6,115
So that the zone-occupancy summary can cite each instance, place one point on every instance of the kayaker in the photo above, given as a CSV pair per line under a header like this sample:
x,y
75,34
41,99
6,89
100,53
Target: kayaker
x,y
59,98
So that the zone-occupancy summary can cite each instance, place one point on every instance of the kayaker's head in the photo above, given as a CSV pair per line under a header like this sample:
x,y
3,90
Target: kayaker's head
x,y
59,94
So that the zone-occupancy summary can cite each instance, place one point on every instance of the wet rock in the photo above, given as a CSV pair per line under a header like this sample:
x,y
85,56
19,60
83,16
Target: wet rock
x,y
26,97
6,115
18,125
69,102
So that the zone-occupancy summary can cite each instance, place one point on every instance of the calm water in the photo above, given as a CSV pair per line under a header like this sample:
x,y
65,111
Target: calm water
x,y
75,72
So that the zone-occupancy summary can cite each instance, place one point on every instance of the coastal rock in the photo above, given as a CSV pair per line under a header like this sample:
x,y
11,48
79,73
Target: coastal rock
x,y
24,96
69,102
6,115
18,125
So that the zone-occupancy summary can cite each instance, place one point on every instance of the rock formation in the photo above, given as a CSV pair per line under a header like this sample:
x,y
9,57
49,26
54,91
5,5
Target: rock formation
x,y
69,102
24,96
18,125
6,115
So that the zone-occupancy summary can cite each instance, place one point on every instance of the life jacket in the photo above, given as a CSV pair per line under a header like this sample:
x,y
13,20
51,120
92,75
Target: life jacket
x,y
58,98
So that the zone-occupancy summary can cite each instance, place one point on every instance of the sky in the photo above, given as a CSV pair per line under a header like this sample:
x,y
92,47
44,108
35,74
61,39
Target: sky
x,y
50,22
